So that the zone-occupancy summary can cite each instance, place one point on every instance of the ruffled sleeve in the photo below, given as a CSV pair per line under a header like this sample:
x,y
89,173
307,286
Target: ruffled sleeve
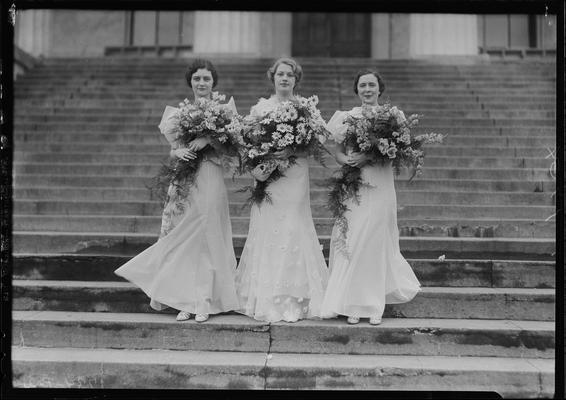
x,y
169,125
262,107
337,127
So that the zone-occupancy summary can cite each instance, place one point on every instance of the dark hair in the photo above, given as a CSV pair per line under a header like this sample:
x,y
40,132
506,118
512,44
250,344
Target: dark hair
x,y
297,69
201,63
369,71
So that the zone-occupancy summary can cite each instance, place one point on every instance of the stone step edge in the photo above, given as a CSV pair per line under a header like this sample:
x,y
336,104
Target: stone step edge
x,y
231,370
243,321
234,185
423,220
127,257
122,285
152,235
525,338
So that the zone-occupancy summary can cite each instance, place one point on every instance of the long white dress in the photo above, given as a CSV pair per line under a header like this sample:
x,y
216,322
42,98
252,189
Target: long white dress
x,y
192,265
282,273
374,272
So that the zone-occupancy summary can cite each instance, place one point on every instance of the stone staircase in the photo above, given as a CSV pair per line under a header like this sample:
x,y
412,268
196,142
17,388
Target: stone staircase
x,y
87,145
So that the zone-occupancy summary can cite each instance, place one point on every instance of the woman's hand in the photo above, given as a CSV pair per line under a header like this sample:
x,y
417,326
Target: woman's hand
x,y
283,154
198,144
357,160
185,154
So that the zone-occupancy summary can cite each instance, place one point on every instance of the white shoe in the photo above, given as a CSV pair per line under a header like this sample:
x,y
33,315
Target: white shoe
x,y
183,316
353,320
201,317
375,320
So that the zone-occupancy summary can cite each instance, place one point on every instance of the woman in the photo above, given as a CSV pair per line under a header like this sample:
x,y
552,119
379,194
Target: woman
x,y
372,271
282,273
191,267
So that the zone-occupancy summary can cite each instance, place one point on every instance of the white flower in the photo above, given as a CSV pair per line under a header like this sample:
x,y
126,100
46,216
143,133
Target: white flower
x,y
405,138
382,145
392,151
284,128
442,258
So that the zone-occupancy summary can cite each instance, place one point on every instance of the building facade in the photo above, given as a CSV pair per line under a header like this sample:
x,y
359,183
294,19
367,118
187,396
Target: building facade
x,y
71,33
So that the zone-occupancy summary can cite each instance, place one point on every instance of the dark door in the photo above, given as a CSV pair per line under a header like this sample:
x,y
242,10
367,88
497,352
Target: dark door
x,y
331,34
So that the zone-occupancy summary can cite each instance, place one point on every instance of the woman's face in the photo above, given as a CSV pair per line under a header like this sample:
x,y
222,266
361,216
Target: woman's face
x,y
368,89
284,79
202,82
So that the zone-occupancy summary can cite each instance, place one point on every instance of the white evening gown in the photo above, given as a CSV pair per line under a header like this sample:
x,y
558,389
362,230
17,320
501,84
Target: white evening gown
x,y
282,273
192,265
375,273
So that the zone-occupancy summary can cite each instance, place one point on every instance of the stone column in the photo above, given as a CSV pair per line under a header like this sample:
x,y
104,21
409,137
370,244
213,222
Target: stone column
x,y
380,40
33,32
227,32
276,34
443,34
399,36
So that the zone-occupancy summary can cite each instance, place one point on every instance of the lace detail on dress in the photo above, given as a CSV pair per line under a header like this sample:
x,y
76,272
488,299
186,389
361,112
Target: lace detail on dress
x,y
174,209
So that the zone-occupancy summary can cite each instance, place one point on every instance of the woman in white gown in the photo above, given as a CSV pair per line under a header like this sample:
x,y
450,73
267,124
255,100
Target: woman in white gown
x,y
192,266
282,273
370,272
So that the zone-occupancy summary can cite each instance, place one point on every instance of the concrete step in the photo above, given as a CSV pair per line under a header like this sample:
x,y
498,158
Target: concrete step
x,y
315,172
147,133
544,102
410,227
317,194
134,116
424,183
430,272
330,96
40,145
421,247
431,302
106,368
22,158
241,209
148,136
390,74
470,110
232,332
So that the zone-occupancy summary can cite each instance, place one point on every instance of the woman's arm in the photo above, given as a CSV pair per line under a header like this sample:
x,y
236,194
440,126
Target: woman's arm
x,y
340,154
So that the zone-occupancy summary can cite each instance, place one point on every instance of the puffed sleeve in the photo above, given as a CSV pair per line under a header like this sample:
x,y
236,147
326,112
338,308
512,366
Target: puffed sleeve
x,y
231,105
337,127
169,125
262,107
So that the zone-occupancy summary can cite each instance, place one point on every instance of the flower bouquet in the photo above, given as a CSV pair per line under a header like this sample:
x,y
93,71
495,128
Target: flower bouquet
x,y
295,127
203,118
384,134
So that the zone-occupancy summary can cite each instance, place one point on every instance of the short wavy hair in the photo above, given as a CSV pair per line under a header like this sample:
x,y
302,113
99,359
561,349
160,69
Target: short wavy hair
x,y
295,66
369,71
201,63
